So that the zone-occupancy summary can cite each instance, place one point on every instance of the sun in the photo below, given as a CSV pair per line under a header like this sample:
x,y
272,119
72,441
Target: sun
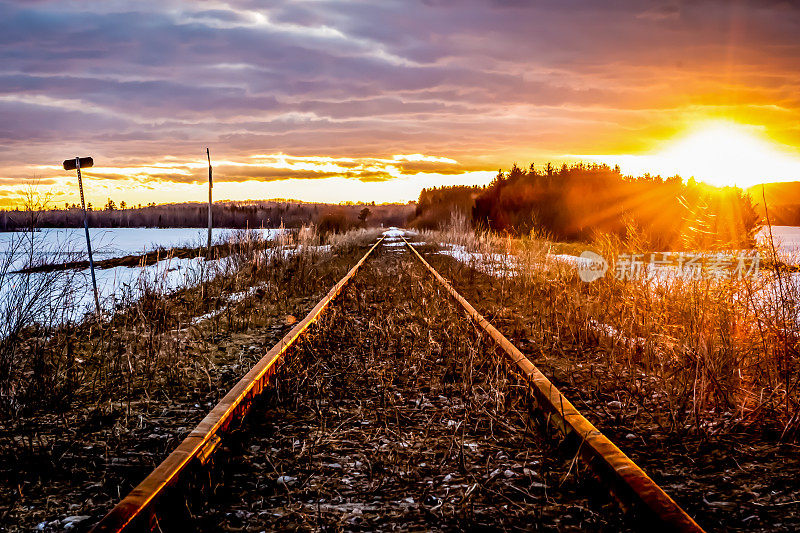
x,y
727,153
719,153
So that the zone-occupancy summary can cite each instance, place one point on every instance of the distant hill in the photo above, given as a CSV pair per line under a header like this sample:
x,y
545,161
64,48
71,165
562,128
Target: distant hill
x,y
779,193
783,201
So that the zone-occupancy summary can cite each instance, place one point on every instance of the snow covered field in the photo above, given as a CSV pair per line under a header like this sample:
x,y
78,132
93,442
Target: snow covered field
x,y
786,238
108,243
72,290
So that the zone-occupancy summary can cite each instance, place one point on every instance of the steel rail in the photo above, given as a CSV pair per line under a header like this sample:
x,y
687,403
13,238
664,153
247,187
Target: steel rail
x,y
629,484
138,508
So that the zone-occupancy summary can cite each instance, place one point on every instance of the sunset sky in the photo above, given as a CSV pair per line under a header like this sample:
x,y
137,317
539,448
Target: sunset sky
x,y
373,100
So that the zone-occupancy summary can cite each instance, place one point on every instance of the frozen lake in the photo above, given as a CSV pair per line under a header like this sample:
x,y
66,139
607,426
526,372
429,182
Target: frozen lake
x,y
108,243
72,289
787,239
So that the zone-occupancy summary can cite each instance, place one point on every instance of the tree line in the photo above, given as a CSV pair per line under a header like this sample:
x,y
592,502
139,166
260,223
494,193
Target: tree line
x,y
576,202
250,214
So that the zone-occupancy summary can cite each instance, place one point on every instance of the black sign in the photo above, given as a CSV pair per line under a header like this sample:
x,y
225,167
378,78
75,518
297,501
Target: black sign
x,y
86,162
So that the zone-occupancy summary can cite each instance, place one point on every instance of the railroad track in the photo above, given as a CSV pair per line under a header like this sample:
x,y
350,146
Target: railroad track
x,y
150,505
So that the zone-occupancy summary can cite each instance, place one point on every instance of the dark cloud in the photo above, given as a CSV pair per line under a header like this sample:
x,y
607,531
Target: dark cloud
x,y
434,167
242,174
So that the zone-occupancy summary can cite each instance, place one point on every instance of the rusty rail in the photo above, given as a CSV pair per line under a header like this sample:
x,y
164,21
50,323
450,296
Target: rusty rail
x,y
629,484
138,509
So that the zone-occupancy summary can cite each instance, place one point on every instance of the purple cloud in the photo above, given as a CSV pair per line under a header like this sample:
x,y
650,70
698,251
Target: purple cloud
x,y
479,81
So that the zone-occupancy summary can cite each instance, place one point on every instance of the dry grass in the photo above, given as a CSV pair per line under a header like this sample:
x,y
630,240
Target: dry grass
x,y
138,348
124,390
400,390
396,412
353,239
708,354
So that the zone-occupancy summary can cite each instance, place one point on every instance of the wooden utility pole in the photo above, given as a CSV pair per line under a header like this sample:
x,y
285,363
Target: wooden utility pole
x,y
210,186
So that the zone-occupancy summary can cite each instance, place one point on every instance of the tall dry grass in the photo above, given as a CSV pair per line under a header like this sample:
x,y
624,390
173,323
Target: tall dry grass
x,y
342,243
32,306
51,357
707,354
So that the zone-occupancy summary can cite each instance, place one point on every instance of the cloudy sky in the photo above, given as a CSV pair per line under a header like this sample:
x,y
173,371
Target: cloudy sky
x,y
373,100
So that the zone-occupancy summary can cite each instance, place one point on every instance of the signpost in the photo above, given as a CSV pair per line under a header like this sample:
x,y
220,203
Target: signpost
x,y
77,164
210,186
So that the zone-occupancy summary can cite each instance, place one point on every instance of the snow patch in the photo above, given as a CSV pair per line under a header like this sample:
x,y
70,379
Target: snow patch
x,y
393,233
497,265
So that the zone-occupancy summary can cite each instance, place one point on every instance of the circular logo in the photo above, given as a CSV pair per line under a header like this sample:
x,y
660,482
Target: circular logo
x,y
591,266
